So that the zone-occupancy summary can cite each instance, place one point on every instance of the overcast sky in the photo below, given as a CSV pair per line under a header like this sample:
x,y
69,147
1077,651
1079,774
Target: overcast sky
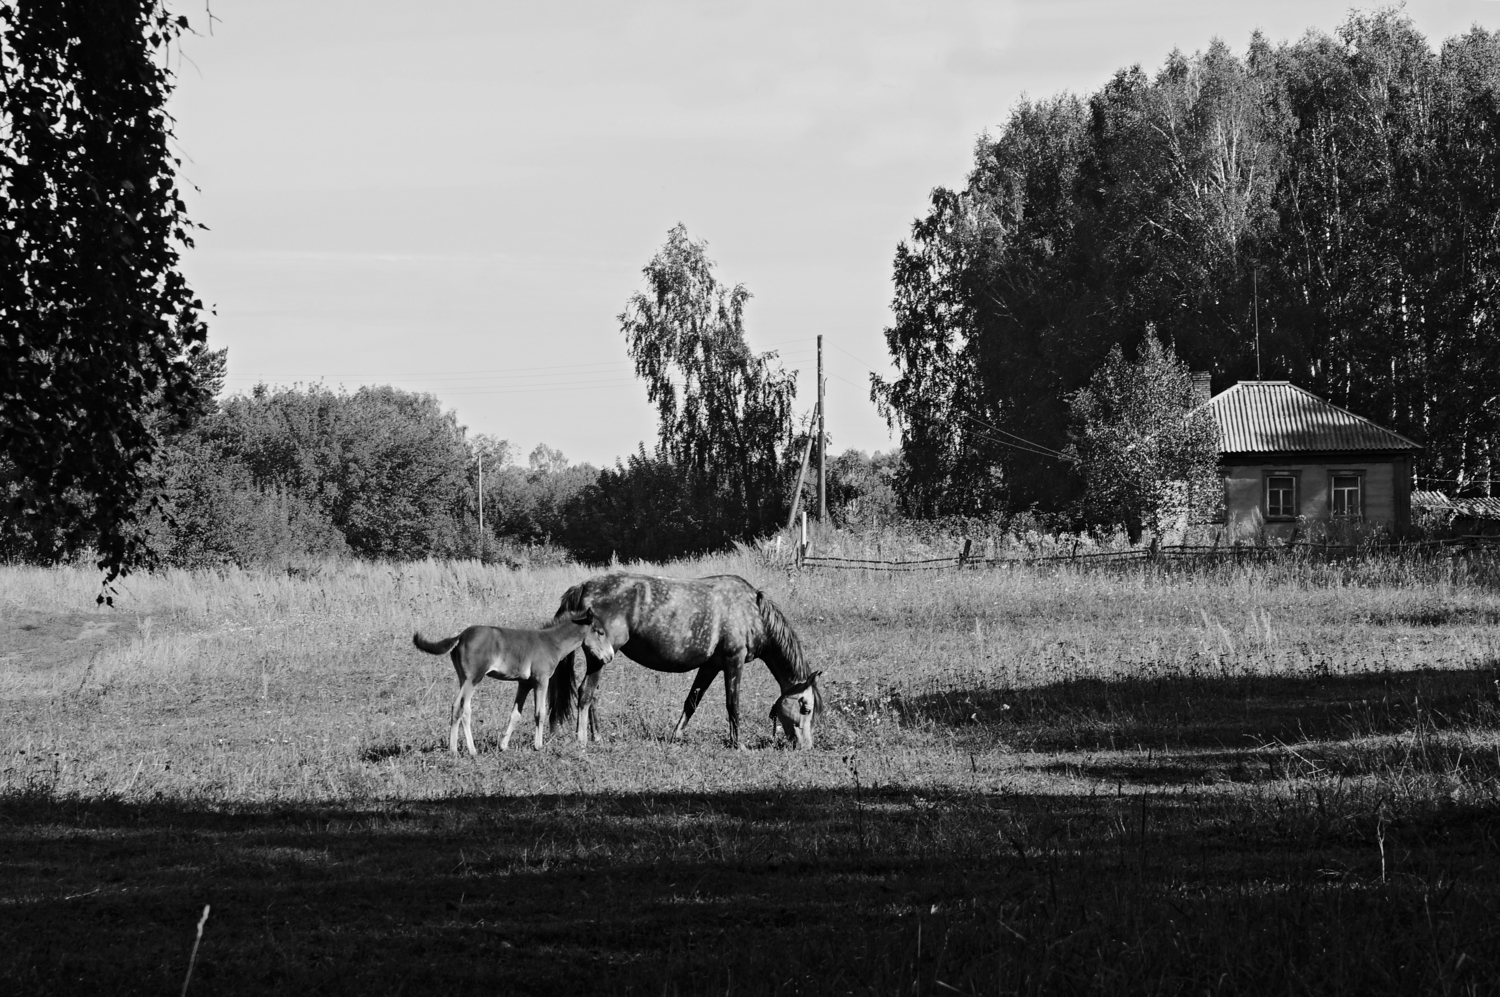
x,y
458,196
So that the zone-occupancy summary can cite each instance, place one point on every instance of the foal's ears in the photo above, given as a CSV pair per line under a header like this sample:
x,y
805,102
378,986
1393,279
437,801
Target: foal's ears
x,y
583,616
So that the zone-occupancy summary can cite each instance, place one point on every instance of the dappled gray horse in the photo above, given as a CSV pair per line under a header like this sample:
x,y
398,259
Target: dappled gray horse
x,y
708,625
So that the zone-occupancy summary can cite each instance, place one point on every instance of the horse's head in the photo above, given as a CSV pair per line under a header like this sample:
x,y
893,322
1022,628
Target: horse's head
x,y
596,635
798,707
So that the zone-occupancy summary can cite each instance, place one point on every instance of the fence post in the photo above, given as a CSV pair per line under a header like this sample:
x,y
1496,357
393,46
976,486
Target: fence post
x,y
802,548
963,555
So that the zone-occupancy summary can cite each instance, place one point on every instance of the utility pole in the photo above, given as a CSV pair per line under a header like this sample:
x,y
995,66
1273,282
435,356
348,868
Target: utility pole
x,y
481,506
791,520
822,445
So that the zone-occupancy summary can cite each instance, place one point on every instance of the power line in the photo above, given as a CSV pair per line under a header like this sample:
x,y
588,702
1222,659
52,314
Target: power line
x,y
851,356
1005,432
528,379
532,389
499,371
565,386
1016,446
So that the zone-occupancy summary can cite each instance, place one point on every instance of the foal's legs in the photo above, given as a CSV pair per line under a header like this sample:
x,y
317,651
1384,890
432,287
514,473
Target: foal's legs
x,y
462,715
515,714
701,682
540,687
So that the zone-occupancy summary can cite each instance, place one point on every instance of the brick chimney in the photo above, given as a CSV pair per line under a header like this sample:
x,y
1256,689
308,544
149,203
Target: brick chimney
x,y
1202,387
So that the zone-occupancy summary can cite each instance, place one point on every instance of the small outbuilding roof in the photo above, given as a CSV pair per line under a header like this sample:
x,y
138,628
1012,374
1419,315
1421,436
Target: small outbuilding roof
x,y
1474,507
1279,417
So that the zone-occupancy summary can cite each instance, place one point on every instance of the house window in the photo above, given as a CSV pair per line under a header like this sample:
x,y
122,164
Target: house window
x,y
1281,496
1344,495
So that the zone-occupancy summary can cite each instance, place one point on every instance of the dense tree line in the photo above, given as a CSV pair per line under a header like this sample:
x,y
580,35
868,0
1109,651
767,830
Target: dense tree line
x,y
1349,184
286,475
293,472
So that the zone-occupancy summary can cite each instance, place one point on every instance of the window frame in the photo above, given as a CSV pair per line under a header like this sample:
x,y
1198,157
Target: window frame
x,y
1359,476
1265,495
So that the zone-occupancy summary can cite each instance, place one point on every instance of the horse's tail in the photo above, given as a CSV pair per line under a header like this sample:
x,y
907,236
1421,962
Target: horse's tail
x,y
787,646
435,646
567,680
562,691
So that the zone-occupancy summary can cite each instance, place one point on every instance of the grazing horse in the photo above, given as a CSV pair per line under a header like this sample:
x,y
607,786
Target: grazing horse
x,y
710,625
527,657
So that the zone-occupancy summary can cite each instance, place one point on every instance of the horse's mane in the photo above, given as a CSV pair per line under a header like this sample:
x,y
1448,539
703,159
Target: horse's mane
x,y
572,600
787,646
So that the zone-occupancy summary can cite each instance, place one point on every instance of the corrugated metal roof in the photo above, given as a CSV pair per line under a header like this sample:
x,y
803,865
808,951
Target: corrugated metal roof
x,y
1475,507
1279,417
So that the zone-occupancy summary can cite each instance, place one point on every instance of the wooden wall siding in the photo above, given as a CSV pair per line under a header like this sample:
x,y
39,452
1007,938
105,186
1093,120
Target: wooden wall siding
x,y
1244,493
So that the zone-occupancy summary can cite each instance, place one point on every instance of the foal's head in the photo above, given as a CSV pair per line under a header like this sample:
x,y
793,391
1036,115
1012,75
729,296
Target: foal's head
x,y
797,708
595,635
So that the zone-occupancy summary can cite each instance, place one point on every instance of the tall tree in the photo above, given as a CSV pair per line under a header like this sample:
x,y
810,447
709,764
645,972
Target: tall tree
x,y
98,328
724,413
1145,455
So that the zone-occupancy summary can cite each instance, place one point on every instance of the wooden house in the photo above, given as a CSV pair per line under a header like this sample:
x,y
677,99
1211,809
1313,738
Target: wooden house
x,y
1291,459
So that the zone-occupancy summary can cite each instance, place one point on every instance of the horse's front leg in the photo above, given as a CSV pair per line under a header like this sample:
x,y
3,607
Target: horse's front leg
x,y
701,682
732,699
587,721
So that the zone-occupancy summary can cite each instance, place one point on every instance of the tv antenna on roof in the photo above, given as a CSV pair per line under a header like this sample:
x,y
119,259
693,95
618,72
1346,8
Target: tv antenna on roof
x,y
1255,309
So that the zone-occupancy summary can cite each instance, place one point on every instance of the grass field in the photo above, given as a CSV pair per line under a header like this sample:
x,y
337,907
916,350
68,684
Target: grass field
x,y
1277,779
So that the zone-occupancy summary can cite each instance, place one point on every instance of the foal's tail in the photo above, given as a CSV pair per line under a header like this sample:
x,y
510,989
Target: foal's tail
x,y
786,645
435,646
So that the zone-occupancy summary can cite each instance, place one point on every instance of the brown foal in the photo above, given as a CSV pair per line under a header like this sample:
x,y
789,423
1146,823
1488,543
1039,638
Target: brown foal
x,y
526,657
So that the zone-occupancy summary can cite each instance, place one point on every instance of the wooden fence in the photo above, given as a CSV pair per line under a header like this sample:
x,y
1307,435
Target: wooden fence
x,y
1237,553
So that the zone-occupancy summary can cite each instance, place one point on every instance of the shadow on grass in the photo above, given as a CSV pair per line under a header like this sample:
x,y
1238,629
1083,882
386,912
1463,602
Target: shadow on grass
x,y
389,750
806,891
1233,712
1403,758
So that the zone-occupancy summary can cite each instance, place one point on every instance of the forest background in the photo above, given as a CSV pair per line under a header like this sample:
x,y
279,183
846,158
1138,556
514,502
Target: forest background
x,y
1325,211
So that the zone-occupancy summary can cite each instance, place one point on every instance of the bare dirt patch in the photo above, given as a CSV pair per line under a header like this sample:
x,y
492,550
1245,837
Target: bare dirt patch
x,y
31,640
